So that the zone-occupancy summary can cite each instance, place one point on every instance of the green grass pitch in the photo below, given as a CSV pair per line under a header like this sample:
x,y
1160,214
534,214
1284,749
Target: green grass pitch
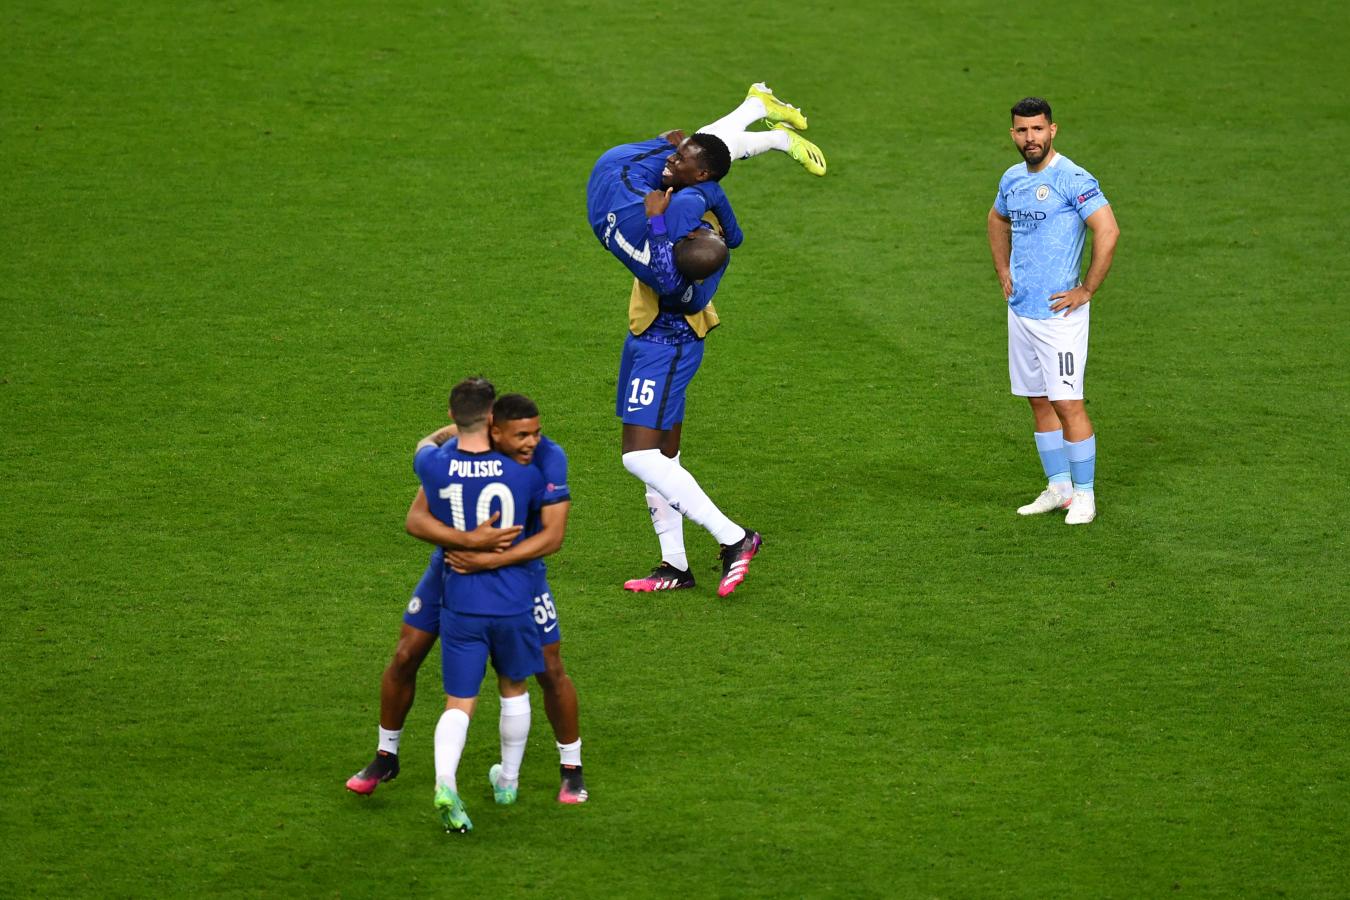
x,y
247,247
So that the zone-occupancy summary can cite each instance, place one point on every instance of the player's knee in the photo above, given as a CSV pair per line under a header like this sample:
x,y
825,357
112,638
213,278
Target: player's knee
x,y
554,674
647,465
407,660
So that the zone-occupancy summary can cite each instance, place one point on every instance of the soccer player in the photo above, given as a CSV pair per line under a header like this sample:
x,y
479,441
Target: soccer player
x,y
670,312
1037,228
625,175
484,614
514,431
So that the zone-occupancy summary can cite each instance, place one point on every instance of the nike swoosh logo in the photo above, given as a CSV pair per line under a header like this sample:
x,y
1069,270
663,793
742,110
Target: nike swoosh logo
x,y
550,628
633,408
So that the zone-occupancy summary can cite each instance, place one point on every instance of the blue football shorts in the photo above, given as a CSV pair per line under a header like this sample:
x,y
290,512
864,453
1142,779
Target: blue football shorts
x,y
653,379
469,641
424,609
546,614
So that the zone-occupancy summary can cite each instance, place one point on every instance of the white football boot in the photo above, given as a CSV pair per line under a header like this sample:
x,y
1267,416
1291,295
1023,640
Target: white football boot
x,y
1082,509
1049,501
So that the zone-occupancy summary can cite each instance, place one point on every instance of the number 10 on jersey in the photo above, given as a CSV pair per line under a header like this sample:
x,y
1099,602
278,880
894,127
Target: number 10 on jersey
x,y
492,491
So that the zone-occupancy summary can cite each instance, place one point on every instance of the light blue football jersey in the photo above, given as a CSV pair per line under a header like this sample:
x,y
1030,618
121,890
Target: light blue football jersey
x,y
1047,209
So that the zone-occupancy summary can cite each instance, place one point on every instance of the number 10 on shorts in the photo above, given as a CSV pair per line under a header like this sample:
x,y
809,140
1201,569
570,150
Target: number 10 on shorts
x,y
643,393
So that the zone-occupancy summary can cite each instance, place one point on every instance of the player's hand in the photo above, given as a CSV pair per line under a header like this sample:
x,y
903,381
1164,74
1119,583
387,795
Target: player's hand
x,y
656,202
490,538
1067,301
675,136
466,562
1006,281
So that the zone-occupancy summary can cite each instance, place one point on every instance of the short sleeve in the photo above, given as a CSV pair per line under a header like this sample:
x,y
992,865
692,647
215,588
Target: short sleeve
x,y
1086,197
422,460
1000,204
553,467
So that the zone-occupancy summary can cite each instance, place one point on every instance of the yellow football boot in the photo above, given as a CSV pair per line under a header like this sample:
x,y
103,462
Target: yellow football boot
x,y
802,150
776,110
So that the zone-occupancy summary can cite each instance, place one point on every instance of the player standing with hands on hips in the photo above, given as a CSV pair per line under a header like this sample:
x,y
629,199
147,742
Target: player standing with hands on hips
x,y
1037,227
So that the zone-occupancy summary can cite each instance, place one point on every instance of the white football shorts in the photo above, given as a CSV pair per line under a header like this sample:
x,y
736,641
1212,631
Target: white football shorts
x,y
1048,357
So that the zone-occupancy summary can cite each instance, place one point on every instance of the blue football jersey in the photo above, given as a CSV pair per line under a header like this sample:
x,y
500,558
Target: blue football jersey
x,y
464,490
614,207
1047,209
551,462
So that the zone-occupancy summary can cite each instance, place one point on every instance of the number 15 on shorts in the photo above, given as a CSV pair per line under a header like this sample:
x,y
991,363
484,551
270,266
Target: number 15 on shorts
x,y
642,394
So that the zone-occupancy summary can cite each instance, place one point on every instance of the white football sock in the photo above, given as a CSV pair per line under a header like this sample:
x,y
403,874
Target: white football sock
x,y
672,481
389,740
515,729
745,144
669,527
451,732
570,754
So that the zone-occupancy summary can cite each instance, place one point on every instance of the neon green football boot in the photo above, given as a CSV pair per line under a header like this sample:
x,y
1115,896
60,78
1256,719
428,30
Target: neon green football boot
x,y
504,796
802,150
776,110
451,810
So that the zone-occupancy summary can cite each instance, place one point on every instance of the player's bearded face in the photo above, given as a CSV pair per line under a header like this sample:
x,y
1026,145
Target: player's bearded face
x,y
517,438
1033,136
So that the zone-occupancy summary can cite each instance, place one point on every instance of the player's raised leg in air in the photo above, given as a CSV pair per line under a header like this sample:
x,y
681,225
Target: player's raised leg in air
x,y
785,121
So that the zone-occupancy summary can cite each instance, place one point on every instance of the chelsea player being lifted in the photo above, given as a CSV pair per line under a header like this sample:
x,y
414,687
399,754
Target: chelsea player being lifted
x,y
638,196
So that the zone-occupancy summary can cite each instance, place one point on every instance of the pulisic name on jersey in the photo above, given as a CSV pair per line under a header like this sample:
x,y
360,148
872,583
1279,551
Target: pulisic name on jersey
x,y
475,468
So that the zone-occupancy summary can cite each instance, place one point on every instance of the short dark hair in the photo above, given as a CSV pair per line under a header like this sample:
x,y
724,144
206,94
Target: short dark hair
x,y
714,154
471,401
700,256
1031,107
514,406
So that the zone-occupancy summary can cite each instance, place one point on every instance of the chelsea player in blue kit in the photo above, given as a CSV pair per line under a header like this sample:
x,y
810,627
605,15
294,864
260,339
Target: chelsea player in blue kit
x,y
662,236
1037,228
485,614
514,431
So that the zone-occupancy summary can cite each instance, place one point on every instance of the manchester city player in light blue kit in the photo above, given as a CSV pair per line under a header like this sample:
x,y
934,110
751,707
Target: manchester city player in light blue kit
x,y
1037,227
484,614
646,205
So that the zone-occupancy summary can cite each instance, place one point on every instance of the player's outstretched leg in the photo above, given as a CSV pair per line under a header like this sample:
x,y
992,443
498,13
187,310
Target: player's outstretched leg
x,y
384,767
736,561
451,810
503,794
760,104
776,110
802,150
664,577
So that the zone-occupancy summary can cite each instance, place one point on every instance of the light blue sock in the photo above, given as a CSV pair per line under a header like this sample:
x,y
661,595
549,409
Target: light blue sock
x,y
1050,446
1082,462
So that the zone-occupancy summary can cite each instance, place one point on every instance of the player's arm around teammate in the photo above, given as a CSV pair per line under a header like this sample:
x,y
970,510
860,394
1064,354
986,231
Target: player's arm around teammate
x,y
420,627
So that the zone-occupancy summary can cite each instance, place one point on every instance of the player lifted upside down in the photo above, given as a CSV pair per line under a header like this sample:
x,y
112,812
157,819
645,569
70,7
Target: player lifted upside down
x,y
515,432
670,312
